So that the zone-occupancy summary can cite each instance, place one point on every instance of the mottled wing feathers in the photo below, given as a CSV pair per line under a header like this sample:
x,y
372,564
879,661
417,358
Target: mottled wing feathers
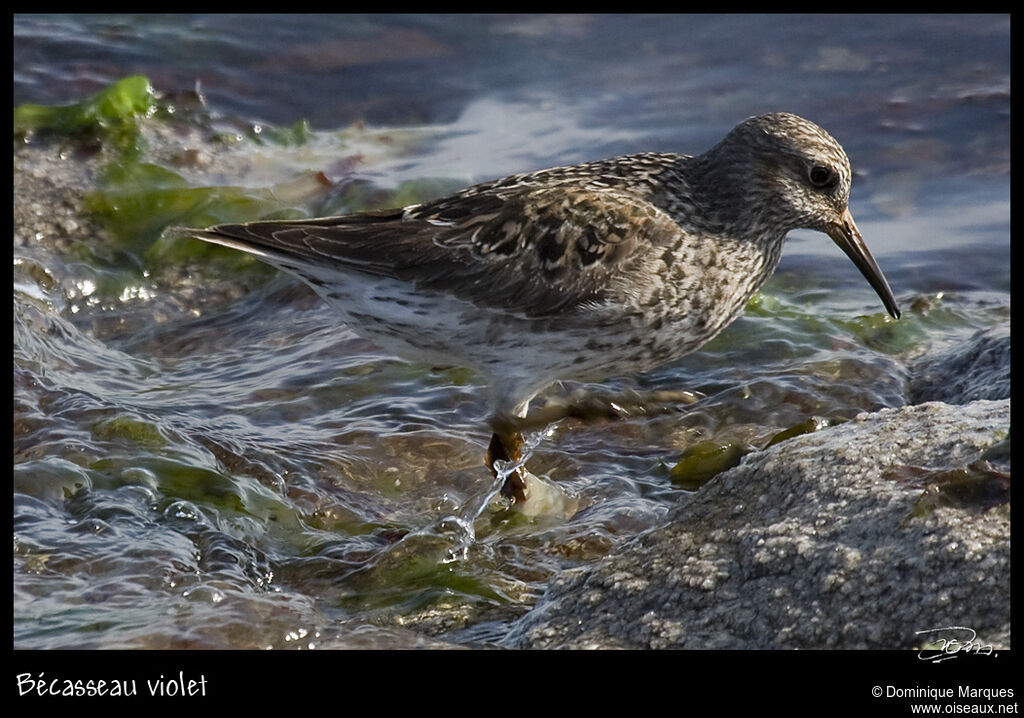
x,y
523,249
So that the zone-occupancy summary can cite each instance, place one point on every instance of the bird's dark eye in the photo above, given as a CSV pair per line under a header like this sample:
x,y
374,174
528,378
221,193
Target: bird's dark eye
x,y
821,176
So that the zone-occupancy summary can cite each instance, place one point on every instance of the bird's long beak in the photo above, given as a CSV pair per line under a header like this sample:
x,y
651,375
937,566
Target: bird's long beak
x,y
847,236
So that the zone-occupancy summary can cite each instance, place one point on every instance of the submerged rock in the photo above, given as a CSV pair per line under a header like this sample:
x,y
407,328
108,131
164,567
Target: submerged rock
x,y
817,542
976,369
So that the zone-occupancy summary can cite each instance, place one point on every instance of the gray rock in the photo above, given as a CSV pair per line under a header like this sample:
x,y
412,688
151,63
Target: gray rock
x,y
976,369
49,189
813,543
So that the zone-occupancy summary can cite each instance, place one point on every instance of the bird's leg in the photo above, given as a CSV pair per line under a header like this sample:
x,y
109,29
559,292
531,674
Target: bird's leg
x,y
508,446
507,439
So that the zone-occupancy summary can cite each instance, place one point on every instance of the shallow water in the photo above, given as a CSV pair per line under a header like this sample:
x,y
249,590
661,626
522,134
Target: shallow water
x,y
203,458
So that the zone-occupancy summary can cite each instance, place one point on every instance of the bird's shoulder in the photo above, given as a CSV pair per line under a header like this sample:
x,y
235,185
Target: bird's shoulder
x,y
540,242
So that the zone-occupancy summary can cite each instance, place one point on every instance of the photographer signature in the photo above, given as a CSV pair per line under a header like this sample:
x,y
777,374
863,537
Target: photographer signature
x,y
962,641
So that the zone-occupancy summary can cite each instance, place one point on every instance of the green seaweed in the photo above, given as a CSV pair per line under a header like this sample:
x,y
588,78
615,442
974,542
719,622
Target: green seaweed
x,y
176,480
998,453
111,115
705,460
296,134
977,487
417,583
130,428
807,426
137,201
876,330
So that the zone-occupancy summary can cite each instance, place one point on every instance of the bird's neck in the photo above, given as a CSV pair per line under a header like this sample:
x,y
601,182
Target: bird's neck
x,y
726,201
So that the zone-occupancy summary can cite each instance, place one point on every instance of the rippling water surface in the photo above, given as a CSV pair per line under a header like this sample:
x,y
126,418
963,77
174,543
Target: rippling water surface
x,y
203,458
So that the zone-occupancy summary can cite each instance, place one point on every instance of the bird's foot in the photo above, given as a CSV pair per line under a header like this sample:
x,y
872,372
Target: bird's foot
x,y
508,448
545,498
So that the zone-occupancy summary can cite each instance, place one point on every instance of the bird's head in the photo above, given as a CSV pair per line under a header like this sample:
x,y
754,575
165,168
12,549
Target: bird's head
x,y
793,175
